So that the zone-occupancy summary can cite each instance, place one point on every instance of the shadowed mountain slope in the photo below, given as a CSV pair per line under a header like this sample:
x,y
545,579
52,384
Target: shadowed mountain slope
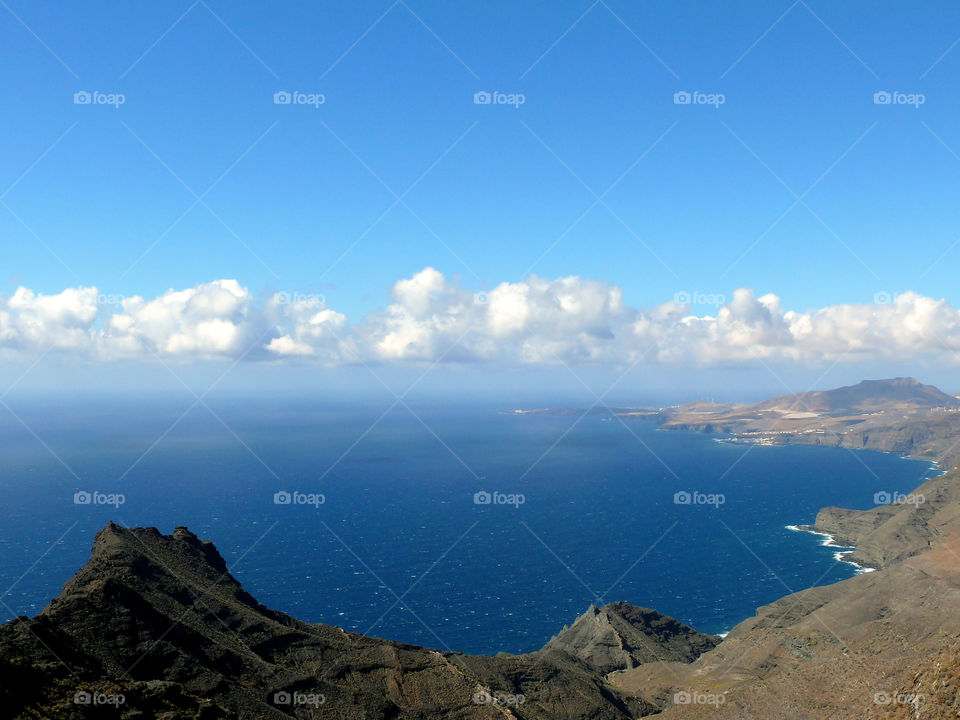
x,y
159,620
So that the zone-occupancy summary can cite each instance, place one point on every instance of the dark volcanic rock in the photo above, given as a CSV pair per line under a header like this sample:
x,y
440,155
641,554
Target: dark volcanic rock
x,y
158,622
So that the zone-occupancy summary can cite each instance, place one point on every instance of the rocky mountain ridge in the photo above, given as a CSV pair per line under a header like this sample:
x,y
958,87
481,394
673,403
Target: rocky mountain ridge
x,y
159,621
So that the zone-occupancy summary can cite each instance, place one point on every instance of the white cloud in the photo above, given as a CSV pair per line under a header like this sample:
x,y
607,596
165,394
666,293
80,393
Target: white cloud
x,y
308,329
36,322
536,320
213,319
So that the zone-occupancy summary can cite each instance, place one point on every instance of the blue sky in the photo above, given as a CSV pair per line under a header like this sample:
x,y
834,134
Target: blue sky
x,y
701,199
199,99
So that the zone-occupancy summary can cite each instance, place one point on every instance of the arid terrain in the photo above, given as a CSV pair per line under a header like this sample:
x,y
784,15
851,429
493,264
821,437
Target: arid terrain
x,y
898,415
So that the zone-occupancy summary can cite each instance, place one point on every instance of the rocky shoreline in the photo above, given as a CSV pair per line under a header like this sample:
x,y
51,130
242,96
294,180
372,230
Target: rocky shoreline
x,y
845,552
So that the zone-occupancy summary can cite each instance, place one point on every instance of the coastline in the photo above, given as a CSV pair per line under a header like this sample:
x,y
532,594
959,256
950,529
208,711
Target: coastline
x,y
785,440
844,552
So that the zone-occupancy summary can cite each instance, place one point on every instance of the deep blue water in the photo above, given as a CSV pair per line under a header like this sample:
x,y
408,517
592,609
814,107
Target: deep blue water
x,y
598,524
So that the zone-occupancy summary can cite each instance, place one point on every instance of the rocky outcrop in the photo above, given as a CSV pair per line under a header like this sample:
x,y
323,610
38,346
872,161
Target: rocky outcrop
x,y
159,622
621,636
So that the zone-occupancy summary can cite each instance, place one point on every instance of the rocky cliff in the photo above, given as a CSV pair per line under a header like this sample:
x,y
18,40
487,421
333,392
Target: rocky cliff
x,y
154,626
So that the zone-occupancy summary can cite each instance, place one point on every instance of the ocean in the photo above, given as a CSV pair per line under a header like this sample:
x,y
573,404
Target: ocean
x,y
464,528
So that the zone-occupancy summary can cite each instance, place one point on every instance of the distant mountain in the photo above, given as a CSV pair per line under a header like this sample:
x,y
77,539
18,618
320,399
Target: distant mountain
x,y
896,415
865,397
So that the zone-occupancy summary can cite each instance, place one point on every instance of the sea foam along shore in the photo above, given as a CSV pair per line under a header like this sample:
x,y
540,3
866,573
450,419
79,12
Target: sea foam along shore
x,y
843,552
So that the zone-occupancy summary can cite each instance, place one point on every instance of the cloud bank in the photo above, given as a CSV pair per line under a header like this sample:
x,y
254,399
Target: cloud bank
x,y
432,319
